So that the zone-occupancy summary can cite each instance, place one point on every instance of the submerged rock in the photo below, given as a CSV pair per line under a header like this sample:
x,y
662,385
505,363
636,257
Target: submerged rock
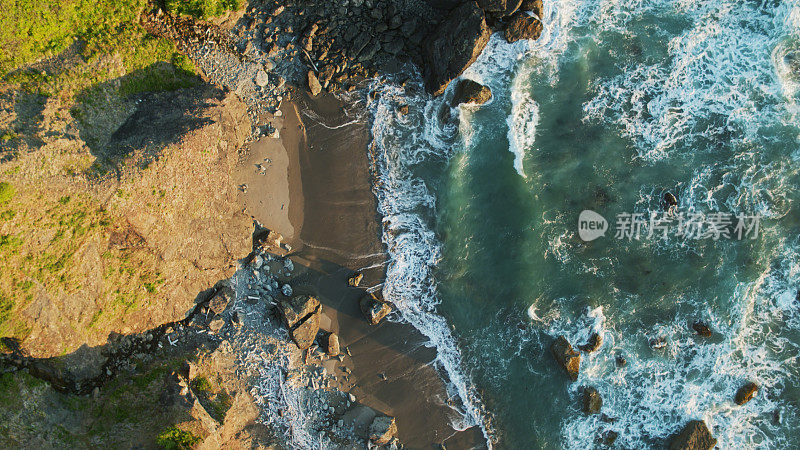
x,y
702,329
594,343
694,436
566,357
454,46
374,308
382,430
669,201
592,401
471,93
621,361
523,26
746,393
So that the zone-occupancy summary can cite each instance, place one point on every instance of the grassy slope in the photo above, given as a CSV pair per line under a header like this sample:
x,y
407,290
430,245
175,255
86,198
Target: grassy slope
x,y
84,52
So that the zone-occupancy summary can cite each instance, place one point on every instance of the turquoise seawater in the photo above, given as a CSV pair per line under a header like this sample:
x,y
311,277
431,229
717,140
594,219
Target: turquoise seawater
x,y
615,105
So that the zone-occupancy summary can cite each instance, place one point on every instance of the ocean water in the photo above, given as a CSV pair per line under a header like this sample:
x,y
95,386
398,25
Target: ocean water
x,y
615,105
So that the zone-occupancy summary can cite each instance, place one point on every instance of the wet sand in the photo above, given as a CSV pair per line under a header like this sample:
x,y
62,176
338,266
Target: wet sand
x,y
335,230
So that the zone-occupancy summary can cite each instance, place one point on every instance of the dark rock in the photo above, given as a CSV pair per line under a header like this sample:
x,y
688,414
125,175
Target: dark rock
x,y
454,45
702,329
592,401
471,93
746,393
382,430
220,301
594,343
621,361
369,52
607,438
669,201
313,84
522,26
394,46
658,342
403,110
566,357
500,8
694,436
374,308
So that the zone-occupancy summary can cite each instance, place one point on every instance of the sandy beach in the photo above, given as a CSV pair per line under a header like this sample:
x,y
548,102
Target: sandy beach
x,y
315,189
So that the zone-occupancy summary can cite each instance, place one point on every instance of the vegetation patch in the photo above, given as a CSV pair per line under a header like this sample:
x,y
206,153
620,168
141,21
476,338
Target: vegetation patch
x,y
173,438
103,34
202,9
46,249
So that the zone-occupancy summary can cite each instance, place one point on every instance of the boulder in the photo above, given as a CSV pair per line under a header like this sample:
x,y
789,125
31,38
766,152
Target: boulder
x,y
454,45
522,26
298,308
313,84
694,436
304,333
355,280
566,357
333,345
746,393
669,201
701,329
594,343
382,430
471,93
374,308
592,401
301,314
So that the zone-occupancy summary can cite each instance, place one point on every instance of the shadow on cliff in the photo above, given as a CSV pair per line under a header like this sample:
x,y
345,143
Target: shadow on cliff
x,y
171,106
86,368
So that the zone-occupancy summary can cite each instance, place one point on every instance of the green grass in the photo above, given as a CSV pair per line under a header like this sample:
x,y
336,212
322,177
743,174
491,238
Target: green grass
x,y
173,438
202,9
34,30
6,192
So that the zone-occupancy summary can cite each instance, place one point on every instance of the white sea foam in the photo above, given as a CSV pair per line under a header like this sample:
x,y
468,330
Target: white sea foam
x,y
407,205
658,391
718,82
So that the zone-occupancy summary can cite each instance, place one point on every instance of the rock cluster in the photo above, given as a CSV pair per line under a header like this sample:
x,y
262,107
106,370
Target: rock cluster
x,y
342,42
301,314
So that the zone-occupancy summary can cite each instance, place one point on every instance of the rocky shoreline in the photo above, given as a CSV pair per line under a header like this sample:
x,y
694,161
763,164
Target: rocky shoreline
x,y
279,377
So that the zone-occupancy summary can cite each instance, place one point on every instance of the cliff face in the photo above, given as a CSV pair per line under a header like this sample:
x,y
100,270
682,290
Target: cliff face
x,y
123,234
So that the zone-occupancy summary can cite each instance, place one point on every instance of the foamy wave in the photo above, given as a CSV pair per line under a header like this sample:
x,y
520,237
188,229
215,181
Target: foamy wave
x,y
521,123
718,82
407,206
658,391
